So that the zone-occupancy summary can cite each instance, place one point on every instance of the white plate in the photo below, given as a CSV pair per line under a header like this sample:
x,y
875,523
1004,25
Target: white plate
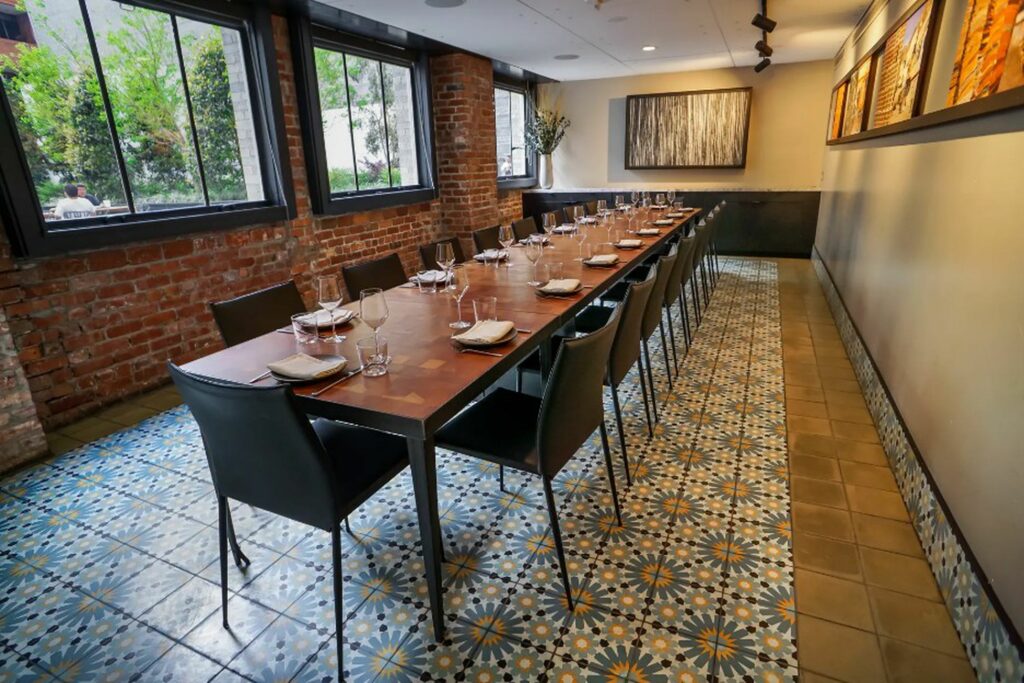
x,y
330,357
504,340
560,294
323,321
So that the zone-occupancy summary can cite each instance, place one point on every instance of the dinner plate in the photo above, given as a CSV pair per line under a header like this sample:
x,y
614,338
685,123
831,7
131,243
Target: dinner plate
x,y
558,295
323,321
330,357
481,345
600,265
628,246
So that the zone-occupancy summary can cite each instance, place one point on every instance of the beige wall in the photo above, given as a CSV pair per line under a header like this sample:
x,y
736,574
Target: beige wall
x,y
924,235
787,123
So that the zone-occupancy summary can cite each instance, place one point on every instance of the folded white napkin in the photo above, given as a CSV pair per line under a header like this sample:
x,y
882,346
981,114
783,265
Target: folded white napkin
x,y
486,332
648,231
491,255
603,259
664,221
564,228
630,243
659,206
563,286
535,238
323,319
674,215
430,277
302,366
588,219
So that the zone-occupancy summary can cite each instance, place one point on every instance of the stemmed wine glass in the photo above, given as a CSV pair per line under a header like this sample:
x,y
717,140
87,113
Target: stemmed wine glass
x,y
549,223
602,207
328,295
634,198
458,285
671,197
534,250
373,309
659,199
505,238
580,236
445,256
619,201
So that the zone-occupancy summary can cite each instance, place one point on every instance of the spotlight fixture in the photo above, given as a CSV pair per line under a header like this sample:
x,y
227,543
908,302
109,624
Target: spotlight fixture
x,y
762,65
649,48
763,48
763,22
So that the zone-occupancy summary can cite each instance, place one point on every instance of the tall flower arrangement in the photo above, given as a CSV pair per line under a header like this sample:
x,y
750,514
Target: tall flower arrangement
x,y
545,130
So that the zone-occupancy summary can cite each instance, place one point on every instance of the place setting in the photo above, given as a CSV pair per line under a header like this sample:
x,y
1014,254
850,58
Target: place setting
x,y
486,332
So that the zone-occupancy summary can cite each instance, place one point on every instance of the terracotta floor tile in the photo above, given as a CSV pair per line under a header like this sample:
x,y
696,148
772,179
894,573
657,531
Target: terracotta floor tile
x,y
872,476
824,521
887,534
827,555
806,408
845,398
802,379
808,425
814,467
835,371
854,431
811,677
916,621
900,573
857,414
844,653
847,385
90,429
906,663
876,502
812,444
799,363
817,491
856,451
798,393
838,600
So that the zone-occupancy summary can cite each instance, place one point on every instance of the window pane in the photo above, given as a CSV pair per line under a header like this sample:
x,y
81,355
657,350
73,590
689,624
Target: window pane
x,y
219,89
503,133
55,96
401,125
518,132
368,122
140,64
330,75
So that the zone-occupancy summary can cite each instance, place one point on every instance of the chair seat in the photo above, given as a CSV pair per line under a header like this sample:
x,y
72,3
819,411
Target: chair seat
x,y
593,318
474,430
366,459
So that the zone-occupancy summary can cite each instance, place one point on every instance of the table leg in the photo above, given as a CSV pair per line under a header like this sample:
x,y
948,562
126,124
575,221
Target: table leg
x,y
424,482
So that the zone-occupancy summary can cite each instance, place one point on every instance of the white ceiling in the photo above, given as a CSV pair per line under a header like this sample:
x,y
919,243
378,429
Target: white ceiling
x,y
689,34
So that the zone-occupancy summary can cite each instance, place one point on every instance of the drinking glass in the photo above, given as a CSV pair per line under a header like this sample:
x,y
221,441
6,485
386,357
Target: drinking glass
x,y
659,199
578,212
328,295
445,256
602,207
458,285
506,237
534,250
619,201
304,328
671,196
549,223
373,309
555,271
580,235
427,281
634,198
373,355
485,308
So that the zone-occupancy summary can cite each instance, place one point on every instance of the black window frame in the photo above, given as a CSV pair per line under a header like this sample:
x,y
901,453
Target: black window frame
x,y
529,179
21,212
305,37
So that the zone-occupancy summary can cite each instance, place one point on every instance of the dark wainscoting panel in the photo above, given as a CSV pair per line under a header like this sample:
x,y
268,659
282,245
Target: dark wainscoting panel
x,y
757,222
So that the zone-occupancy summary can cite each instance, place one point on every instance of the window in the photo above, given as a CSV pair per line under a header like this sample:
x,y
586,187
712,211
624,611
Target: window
x,y
144,113
510,132
363,119
10,29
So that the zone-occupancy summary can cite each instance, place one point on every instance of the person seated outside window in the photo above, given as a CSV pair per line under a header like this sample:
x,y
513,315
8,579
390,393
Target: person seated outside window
x,y
73,206
82,192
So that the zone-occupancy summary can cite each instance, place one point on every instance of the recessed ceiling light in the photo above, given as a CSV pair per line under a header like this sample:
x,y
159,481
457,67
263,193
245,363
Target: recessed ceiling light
x,y
617,20
649,48
444,3
566,57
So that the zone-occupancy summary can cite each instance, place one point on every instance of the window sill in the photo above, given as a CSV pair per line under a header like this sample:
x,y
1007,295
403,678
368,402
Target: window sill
x,y
337,206
519,183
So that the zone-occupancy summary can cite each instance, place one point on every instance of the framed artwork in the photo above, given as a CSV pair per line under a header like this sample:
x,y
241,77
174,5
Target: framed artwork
x,y
988,57
835,116
858,89
901,71
696,129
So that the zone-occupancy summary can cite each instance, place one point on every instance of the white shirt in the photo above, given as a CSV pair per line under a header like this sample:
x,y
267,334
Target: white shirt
x,y
75,207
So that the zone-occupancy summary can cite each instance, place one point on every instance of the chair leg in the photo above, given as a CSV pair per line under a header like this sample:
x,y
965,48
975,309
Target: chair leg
x,y
696,300
672,339
556,533
519,381
241,561
622,432
611,474
664,351
686,323
704,282
501,478
339,603
222,533
348,529
650,380
643,391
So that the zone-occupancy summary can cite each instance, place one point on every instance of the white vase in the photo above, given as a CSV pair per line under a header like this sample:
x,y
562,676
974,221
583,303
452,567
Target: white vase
x,y
546,174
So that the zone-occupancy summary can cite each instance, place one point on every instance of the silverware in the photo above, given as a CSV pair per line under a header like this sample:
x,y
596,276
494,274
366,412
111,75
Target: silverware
x,y
524,331
478,351
347,375
259,377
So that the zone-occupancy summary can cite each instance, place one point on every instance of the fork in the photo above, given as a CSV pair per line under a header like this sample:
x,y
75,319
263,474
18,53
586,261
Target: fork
x,y
482,353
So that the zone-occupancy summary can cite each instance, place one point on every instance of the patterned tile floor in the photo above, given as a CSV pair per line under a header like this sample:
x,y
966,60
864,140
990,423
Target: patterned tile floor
x,y
108,560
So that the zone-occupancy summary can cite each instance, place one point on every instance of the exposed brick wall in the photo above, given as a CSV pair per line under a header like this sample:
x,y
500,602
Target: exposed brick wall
x,y
93,327
510,205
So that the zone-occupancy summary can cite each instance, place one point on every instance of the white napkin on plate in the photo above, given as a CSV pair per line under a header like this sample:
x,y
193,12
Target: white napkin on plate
x,y
664,221
491,255
564,228
430,277
563,286
322,318
486,332
630,243
648,231
603,259
674,215
588,220
303,366
543,239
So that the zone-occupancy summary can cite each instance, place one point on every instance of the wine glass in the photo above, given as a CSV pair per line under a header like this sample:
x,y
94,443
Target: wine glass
x,y
578,212
602,207
580,236
671,196
534,250
444,254
328,295
548,223
506,236
373,309
659,199
634,198
458,285
619,201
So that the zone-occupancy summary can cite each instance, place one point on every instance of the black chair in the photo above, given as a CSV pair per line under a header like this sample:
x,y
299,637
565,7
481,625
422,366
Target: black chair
x,y
262,450
486,238
558,215
384,273
702,234
673,292
568,211
428,252
590,208
254,314
542,434
524,227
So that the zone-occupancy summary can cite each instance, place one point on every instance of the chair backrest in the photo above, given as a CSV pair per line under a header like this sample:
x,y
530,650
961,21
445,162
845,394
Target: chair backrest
x,y
590,207
486,238
261,449
384,272
573,403
673,288
428,252
626,347
254,314
557,213
524,227
690,261
652,312
568,211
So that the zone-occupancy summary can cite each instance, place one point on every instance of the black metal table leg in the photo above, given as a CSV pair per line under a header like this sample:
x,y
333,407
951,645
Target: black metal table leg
x,y
424,482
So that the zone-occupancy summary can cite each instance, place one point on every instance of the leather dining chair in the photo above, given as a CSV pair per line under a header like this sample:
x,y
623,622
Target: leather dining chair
x,y
590,208
261,450
385,273
428,252
486,238
673,292
540,435
524,227
557,214
256,313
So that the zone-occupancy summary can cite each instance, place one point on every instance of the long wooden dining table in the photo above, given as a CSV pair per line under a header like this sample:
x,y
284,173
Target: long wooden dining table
x,y
429,381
